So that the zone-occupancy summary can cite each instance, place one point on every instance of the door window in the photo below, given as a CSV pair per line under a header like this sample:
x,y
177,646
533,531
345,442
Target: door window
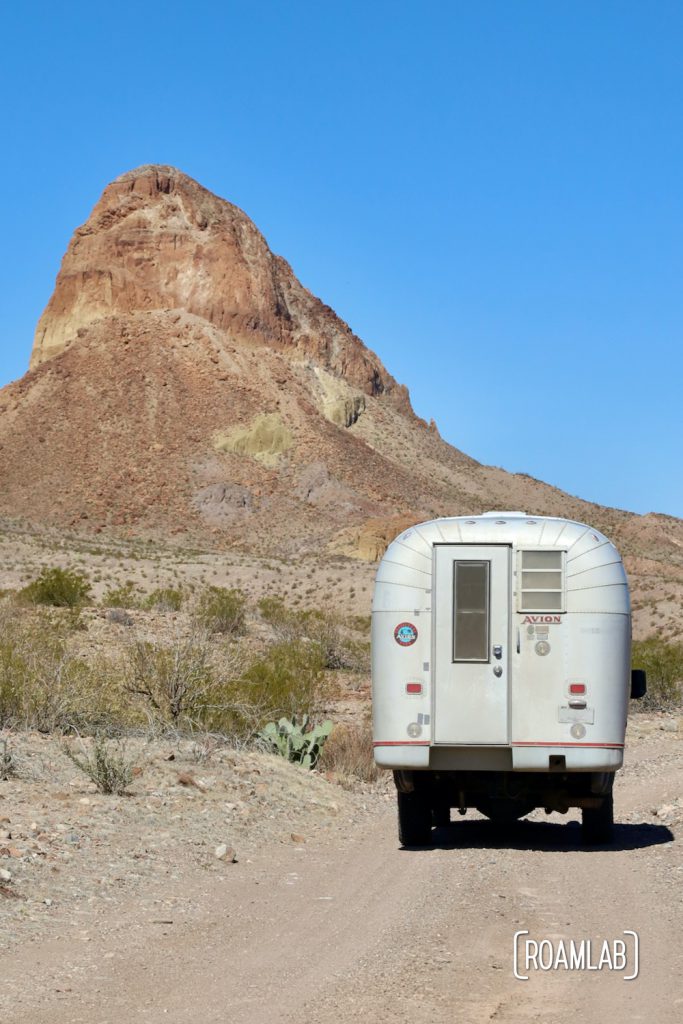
x,y
471,610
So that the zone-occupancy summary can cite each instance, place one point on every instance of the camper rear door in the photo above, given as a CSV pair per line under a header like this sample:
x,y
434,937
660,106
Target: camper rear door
x,y
472,650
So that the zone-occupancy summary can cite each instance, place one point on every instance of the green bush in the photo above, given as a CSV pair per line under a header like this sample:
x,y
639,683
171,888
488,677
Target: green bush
x,y
44,686
663,663
223,611
187,685
287,680
126,596
326,629
61,588
274,611
164,600
361,623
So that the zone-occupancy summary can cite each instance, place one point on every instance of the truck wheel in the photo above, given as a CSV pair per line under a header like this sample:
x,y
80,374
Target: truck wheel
x,y
414,819
597,823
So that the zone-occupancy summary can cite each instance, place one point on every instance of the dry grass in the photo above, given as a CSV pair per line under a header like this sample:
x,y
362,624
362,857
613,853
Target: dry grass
x,y
348,754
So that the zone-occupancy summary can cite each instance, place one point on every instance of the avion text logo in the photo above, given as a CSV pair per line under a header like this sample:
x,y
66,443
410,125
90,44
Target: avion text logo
x,y
539,619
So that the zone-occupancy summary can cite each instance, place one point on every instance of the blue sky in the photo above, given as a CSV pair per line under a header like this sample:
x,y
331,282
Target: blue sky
x,y
490,193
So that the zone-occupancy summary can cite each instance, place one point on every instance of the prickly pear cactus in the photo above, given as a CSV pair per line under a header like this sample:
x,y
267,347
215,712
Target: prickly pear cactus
x,y
295,741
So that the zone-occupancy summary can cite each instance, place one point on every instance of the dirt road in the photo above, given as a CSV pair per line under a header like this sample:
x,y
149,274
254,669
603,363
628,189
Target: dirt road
x,y
356,928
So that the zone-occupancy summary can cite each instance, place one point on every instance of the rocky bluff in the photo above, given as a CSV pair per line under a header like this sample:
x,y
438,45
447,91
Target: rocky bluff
x,y
183,381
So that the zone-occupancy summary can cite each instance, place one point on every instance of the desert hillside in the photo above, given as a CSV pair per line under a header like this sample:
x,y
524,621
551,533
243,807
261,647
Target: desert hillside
x,y
184,384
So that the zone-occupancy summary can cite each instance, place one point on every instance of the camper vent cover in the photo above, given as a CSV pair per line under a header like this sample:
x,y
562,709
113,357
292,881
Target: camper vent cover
x,y
542,582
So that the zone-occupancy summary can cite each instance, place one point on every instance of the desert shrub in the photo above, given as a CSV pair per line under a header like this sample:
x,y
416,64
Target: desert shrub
x,y
274,610
44,686
222,611
166,599
663,663
349,754
188,686
287,680
360,623
126,596
61,588
326,629
105,764
173,683
170,680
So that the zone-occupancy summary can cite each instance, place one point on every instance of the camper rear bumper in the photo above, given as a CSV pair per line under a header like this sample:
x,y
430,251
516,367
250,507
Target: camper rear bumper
x,y
518,757
389,754
572,757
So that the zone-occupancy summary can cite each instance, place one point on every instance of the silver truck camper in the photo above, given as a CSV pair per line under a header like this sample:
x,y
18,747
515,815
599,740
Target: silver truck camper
x,y
501,670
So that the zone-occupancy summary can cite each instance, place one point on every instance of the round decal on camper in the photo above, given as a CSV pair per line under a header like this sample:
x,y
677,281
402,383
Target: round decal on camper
x,y
405,634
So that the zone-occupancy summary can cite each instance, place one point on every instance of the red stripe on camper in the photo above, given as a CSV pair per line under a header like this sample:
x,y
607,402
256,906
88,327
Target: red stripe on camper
x,y
536,743
402,743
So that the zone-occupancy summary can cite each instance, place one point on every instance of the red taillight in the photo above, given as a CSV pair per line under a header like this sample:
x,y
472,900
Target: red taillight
x,y
413,687
577,687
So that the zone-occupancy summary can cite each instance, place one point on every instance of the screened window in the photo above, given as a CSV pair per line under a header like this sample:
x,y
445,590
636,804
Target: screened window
x,y
471,611
542,581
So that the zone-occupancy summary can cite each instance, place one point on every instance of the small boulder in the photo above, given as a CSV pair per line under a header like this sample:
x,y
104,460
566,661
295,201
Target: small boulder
x,y
226,853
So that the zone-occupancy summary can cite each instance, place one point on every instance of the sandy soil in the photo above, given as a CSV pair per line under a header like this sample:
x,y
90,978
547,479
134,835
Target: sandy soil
x,y
340,923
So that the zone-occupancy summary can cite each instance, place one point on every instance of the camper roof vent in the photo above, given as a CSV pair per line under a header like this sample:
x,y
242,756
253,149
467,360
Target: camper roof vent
x,y
504,513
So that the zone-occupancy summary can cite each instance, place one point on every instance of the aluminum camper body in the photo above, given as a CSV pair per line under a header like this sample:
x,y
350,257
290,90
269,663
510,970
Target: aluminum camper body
x,y
501,646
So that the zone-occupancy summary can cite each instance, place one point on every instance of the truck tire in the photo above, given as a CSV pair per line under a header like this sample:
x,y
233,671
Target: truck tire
x,y
414,819
597,823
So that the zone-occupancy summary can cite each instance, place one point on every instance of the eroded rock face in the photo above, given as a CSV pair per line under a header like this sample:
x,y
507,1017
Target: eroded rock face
x,y
184,382
159,241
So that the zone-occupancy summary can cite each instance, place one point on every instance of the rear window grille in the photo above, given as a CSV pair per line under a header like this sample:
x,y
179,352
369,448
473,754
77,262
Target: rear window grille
x,y
542,581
